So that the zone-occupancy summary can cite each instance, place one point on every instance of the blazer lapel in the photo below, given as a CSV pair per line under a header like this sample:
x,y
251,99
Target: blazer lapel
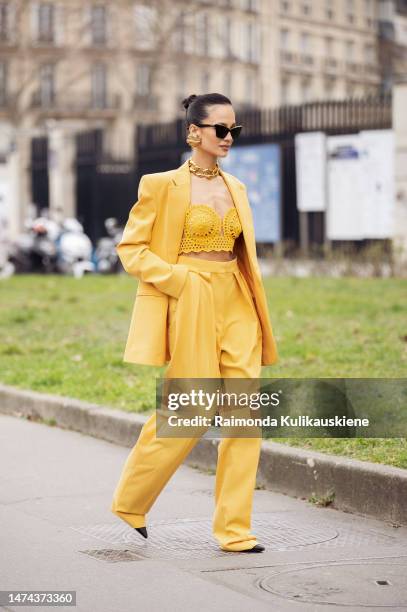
x,y
179,192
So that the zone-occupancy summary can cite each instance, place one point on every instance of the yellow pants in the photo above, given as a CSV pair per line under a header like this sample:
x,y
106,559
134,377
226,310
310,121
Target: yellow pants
x,y
213,331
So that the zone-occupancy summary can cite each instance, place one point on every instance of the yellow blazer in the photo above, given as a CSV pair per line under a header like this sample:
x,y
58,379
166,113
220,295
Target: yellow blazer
x,y
149,249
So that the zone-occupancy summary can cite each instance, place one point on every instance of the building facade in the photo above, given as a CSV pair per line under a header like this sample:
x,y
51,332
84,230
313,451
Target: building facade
x,y
393,42
100,62
324,49
73,65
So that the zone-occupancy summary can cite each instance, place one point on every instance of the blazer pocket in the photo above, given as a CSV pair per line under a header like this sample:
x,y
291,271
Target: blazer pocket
x,y
173,301
146,335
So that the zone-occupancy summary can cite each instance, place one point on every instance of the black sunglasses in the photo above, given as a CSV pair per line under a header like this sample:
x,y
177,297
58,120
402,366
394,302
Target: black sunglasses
x,y
222,130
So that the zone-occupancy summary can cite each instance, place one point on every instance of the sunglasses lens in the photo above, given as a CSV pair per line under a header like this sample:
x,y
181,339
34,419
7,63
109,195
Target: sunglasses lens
x,y
236,132
221,131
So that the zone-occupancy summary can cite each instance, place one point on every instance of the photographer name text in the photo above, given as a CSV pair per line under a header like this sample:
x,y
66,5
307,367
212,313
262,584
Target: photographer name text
x,y
268,421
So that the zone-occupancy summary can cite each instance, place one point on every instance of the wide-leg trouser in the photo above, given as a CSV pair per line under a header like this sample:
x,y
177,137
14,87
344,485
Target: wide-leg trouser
x,y
213,331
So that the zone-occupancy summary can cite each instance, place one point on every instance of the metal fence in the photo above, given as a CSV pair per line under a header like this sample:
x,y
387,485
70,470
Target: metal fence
x,y
105,186
338,116
160,146
39,172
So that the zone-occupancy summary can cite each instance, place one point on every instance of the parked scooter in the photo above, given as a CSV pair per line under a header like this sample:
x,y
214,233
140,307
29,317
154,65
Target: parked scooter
x,y
34,250
7,269
107,260
74,250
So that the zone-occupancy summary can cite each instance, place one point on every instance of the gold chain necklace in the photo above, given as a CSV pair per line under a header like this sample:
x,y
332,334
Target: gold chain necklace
x,y
204,172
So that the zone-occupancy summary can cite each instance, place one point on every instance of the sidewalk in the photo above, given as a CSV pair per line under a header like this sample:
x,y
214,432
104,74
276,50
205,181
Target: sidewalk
x,y
58,533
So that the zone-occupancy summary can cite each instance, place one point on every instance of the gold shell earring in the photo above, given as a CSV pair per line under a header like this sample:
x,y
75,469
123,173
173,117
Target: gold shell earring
x,y
193,140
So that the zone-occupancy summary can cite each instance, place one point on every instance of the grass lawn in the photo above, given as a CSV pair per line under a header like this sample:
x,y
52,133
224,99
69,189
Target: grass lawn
x,y
66,336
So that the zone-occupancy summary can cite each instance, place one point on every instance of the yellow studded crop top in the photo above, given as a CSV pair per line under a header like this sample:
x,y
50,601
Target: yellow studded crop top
x,y
203,226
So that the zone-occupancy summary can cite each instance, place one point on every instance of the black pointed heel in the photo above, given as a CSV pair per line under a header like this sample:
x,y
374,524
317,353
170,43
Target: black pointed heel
x,y
256,549
142,530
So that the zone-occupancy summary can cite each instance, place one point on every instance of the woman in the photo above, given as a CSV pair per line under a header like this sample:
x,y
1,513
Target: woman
x,y
200,308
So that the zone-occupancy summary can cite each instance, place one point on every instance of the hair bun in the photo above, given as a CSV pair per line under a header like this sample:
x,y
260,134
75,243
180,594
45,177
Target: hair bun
x,y
187,101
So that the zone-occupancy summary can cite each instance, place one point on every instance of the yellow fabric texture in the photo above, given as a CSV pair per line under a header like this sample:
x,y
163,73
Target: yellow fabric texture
x,y
137,258
203,229
148,252
214,308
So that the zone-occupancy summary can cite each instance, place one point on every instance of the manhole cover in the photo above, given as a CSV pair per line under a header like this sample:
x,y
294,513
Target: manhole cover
x,y
184,538
192,538
371,585
111,555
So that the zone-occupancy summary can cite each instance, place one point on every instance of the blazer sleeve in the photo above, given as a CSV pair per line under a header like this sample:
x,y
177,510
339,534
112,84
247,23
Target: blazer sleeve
x,y
135,254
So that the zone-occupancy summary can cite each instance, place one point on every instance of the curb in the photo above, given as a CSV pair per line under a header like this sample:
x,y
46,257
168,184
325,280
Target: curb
x,y
370,489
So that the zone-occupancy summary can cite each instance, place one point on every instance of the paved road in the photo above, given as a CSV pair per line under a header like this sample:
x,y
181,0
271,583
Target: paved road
x,y
57,533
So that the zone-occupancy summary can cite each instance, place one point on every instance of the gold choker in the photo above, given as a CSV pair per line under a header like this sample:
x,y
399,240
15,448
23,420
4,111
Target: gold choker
x,y
208,173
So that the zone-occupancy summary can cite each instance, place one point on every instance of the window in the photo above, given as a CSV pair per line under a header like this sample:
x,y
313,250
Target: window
x,y
3,83
145,18
249,5
369,13
330,87
183,34
306,8
98,24
179,33
250,89
350,90
99,85
46,22
253,5
350,49
202,33
285,91
350,10
304,42
329,51
205,82
182,82
329,9
143,80
239,40
284,39
47,84
4,20
227,36
228,83
370,55
252,42
306,90
285,6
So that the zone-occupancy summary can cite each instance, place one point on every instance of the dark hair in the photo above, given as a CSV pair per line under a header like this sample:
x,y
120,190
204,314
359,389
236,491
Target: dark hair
x,y
196,106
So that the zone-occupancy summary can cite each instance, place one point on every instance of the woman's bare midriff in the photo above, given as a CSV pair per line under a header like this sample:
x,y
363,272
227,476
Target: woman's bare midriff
x,y
211,255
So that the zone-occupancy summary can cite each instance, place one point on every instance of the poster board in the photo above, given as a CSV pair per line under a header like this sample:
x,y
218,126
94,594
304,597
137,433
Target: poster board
x,y
258,167
310,171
